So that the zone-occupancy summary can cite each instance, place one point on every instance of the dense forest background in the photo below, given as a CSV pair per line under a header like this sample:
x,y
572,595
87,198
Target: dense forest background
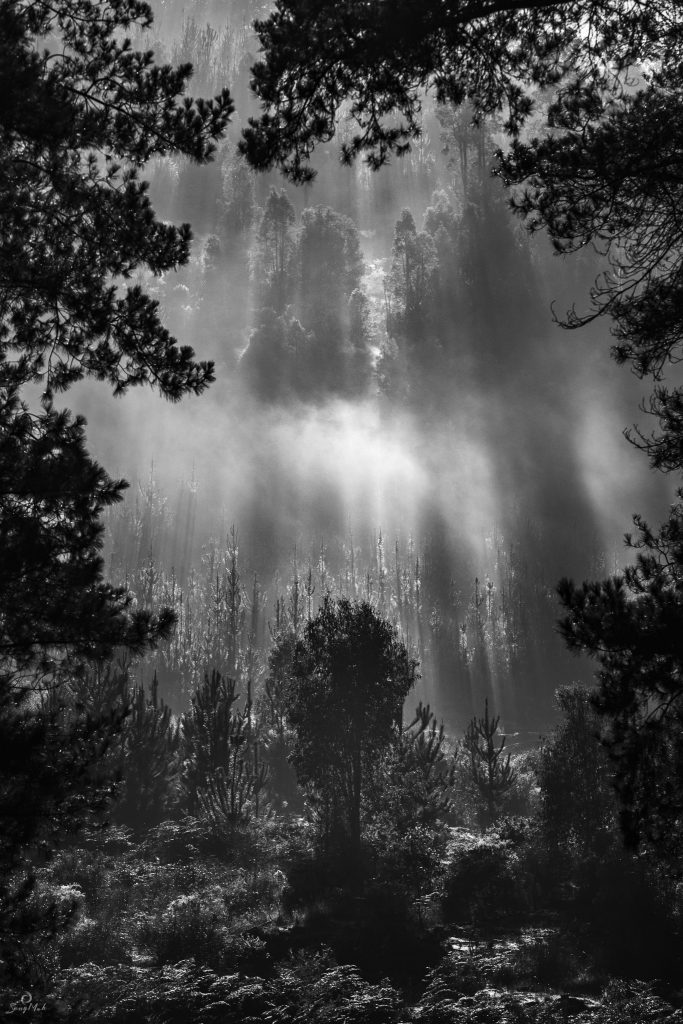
x,y
396,415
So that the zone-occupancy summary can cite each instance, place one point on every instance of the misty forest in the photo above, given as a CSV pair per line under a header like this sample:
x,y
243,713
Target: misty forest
x,y
341,551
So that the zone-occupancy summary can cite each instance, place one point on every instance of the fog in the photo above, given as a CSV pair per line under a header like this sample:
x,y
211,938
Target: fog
x,y
458,422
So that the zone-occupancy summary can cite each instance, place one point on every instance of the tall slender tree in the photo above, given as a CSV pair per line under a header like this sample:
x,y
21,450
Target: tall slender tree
x,y
491,770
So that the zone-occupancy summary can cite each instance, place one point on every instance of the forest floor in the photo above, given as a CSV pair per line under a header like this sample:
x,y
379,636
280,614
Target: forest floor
x,y
164,932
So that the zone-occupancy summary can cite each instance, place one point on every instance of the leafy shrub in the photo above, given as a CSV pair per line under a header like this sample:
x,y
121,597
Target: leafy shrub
x,y
632,914
461,972
86,871
312,989
99,942
311,881
174,994
634,1003
191,926
546,957
485,882
175,840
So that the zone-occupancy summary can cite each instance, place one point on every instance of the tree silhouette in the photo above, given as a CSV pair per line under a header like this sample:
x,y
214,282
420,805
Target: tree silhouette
x,y
631,624
350,677
490,768
377,59
81,113
613,179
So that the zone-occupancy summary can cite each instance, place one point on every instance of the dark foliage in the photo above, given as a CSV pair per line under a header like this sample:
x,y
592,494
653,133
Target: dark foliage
x,y
491,770
486,883
621,901
54,601
350,677
54,780
311,337
81,113
222,771
410,797
611,177
377,59
79,120
148,759
631,624
578,802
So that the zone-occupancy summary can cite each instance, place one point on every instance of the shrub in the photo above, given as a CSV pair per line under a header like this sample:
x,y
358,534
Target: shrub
x,y
191,926
485,882
546,957
634,1003
99,942
174,994
175,840
84,870
312,989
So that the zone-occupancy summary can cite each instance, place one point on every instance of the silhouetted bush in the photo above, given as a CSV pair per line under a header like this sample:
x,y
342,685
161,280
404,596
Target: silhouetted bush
x,y
191,926
102,941
546,957
485,882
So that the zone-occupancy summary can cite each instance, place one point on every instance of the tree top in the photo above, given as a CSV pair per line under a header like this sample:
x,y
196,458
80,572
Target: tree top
x,y
371,63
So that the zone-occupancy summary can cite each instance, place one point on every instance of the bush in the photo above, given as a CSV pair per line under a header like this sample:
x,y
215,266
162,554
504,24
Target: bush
x,y
85,870
485,882
175,840
190,927
632,916
634,1003
461,972
312,989
99,942
175,995
547,958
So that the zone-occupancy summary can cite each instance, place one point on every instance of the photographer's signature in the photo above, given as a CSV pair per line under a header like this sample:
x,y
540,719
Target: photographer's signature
x,y
27,1004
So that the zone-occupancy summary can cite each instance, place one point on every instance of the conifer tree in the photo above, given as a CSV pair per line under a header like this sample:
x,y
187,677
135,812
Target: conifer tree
x,y
77,124
364,67
238,203
148,754
630,623
223,773
490,768
410,800
578,802
81,114
275,245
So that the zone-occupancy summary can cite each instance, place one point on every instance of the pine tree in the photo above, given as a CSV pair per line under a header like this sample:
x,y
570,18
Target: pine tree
x,y
54,603
81,114
630,624
490,768
148,753
223,774
578,802
365,67
409,801
238,204
78,123
275,245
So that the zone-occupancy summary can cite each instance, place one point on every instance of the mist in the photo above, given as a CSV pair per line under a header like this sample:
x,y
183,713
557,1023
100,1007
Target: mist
x,y
392,419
